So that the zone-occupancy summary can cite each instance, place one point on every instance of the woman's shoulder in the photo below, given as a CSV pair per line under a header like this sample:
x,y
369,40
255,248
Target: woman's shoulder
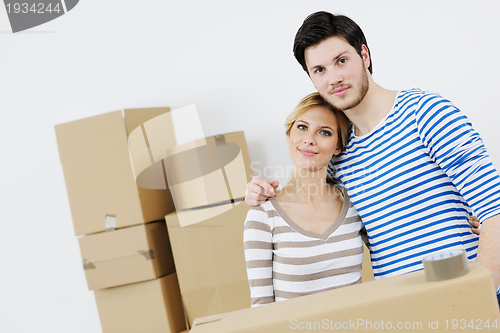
x,y
266,206
261,212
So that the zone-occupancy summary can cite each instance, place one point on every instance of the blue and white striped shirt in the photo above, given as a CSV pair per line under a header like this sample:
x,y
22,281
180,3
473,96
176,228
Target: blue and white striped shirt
x,y
415,179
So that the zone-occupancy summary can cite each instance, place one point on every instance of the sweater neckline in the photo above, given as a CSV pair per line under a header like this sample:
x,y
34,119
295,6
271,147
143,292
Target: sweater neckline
x,y
328,232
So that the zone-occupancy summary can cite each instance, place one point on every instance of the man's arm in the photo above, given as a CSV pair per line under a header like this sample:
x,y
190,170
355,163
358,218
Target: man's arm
x,y
458,149
488,252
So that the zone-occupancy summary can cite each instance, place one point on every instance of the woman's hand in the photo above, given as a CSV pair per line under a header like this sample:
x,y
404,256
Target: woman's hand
x,y
475,225
258,190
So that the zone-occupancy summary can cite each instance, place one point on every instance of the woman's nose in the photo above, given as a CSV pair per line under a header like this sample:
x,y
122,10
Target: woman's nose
x,y
309,140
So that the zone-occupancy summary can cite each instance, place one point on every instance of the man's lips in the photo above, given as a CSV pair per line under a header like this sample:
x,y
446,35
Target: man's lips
x,y
307,152
340,91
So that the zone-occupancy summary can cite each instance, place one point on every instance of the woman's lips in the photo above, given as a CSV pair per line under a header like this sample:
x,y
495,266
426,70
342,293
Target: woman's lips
x,y
307,152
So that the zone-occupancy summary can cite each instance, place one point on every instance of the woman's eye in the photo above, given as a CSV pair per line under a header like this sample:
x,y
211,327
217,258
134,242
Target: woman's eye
x,y
302,127
319,70
326,133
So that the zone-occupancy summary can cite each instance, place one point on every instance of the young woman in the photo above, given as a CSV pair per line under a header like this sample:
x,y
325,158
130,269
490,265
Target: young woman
x,y
307,238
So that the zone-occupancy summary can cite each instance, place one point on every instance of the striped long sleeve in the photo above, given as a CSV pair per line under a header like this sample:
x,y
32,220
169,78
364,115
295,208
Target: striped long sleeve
x,y
458,149
258,247
415,179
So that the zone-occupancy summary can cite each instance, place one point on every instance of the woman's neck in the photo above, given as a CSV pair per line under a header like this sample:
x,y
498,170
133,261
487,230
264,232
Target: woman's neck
x,y
306,185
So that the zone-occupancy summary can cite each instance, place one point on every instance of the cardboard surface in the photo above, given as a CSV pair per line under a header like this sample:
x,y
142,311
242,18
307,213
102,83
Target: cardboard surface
x,y
127,255
98,173
407,300
147,307
210,261
367,270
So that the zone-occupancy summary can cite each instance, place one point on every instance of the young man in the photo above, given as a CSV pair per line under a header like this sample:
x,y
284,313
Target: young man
x,y
414,168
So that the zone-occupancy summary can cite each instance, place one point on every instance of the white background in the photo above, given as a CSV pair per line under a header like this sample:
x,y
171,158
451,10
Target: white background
x,y
234,60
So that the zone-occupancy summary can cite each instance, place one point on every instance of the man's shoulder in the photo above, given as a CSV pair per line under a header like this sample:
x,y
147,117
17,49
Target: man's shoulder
x,y
416,95
421,96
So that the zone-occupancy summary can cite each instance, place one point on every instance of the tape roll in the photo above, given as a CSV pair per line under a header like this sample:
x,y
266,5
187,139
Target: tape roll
x,y
445,265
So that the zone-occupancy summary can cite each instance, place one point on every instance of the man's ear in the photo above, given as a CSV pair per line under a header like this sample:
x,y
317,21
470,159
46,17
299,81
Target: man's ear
x,y
365,56
336,152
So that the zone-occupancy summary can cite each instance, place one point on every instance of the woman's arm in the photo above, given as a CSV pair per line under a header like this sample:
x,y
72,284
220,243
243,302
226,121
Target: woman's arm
x,y
258,245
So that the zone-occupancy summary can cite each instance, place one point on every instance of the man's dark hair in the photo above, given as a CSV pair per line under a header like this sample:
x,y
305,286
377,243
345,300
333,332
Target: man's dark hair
x,y
322,25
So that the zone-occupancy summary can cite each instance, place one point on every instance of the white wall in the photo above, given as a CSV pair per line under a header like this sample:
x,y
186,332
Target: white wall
x,y
234,60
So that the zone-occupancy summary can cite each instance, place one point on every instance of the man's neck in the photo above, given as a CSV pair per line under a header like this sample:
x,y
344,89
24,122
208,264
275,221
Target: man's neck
x,y
373,108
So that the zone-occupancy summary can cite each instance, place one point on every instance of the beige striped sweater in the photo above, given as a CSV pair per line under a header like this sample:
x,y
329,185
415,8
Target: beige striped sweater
x,y
285,261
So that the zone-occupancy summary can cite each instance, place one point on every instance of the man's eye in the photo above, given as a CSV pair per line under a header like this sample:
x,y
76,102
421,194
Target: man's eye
x,y
342,61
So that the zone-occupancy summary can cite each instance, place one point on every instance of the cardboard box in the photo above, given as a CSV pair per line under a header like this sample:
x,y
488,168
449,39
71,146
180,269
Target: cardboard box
x,y
127,255
101,187
367,270
200,173
208,172
406,302
210,261
150,307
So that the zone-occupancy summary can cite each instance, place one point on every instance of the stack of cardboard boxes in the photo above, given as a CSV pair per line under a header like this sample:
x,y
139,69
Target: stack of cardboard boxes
x,y
127,256
207,241
122,233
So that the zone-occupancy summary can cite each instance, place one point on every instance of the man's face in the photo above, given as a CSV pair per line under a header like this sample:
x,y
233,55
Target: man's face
x,y
338,72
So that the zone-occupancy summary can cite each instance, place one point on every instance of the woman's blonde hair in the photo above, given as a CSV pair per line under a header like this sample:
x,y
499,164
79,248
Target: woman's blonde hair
x,y
315,99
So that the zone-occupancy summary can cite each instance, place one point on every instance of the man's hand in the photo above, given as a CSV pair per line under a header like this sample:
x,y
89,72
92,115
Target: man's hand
x,y
488,252
475,225
258,190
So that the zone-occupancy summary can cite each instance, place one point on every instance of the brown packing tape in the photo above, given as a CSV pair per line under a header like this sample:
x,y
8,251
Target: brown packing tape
x,y
110,223
147,254
87,264
445,265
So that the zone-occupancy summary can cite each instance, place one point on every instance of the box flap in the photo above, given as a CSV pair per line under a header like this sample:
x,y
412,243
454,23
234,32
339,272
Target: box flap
x,y
93,136
119,272
136,117
115,244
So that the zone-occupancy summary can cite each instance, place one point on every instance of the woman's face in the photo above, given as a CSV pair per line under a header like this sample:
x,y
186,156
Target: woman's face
x,y
313,139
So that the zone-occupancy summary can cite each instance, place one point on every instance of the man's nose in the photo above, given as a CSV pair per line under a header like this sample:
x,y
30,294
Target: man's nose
x,y
334,77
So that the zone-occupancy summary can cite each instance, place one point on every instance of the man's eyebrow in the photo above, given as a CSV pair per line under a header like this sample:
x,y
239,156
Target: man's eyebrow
x,y
334,59
340,55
